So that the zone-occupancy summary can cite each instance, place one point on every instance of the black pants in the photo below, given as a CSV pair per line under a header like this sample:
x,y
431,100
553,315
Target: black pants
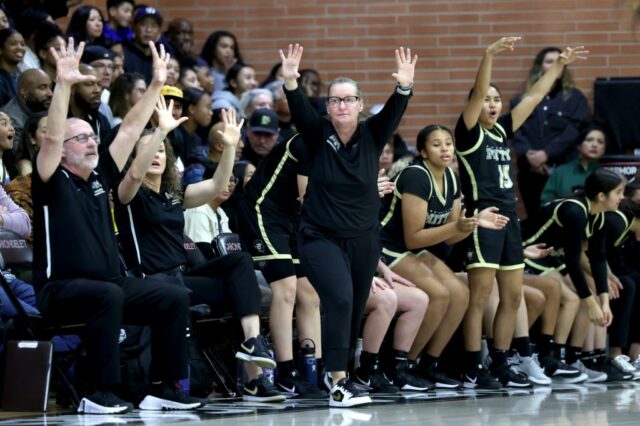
x,y
105,306
626,318
341,270
224,279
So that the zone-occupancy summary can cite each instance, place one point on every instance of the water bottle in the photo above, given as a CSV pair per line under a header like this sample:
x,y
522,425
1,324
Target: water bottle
x,y
308,362
269,373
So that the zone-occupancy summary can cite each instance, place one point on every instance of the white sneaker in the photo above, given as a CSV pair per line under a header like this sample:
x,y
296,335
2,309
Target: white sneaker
x,y
593,376
345,394
621,362
103,403
530,366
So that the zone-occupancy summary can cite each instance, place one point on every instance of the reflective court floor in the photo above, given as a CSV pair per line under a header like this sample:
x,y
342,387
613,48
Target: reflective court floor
x,y
594,404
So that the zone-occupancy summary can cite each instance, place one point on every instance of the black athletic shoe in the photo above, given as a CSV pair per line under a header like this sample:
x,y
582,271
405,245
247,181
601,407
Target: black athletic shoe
x,y
167,396
295,383
345,394
440,379
407,379
374,381
614,374
256,350
103,403
510,378
261,389
479,378
556,369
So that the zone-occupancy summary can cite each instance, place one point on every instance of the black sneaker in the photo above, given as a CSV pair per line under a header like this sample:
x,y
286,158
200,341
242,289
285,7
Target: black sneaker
x,y
510,378
295,383
479,378
256,350
374,381
440,379
614,374
261,389
345,394
407,380
556,369
101,402
167,396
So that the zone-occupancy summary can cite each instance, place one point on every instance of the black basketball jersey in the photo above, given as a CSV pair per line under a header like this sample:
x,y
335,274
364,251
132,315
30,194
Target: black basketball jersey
x,y
485,164
417,179
274,186
566,225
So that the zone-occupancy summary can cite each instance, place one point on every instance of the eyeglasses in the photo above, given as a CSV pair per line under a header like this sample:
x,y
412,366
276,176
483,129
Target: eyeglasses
x,y
334,101
83,138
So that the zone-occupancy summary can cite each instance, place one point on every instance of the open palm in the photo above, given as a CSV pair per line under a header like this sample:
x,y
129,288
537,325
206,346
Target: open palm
x,y
291,62
67,62
166,122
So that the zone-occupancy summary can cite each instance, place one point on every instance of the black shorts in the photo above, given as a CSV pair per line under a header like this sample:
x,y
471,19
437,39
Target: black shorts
x,y
392,253
270,240
545,265
502,249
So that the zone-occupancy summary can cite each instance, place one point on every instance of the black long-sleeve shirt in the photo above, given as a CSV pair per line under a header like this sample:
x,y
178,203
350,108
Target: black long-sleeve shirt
x,y
552,126
342,195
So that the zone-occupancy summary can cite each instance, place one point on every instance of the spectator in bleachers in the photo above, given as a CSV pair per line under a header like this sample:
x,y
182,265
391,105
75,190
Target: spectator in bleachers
x,y
188,79
173,72
8,166
281,107
85,104
565,179
127,91
101,60
240,79
48,35
194,151
27,24
216,146
262,135
118,64
550,134
35,129
180,36
255,99
4,20
146,27
12,50
77,269
220,52
34,95
118,28
86,25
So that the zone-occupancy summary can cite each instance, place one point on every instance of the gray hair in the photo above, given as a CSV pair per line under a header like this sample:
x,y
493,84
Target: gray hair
x,y
274,87
247,98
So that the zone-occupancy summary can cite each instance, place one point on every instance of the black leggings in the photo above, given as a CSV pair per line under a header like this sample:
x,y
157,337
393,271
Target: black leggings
x,y
341,271
625,327
105,306
224,279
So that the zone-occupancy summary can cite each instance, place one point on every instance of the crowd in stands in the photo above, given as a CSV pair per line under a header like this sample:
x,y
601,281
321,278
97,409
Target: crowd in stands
x,y
118,140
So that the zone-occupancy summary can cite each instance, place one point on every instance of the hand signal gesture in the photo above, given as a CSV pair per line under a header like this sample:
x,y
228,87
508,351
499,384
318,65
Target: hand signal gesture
x,y
67,62
160,61
406,67
166,122
230,132
291,62
570,54
504,43
466,224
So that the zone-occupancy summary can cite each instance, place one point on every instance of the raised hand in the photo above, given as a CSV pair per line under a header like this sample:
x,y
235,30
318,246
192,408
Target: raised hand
x,y
570,54
166,122
231,130
504,43
160,61
406,67
67,62
490,219
291,62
